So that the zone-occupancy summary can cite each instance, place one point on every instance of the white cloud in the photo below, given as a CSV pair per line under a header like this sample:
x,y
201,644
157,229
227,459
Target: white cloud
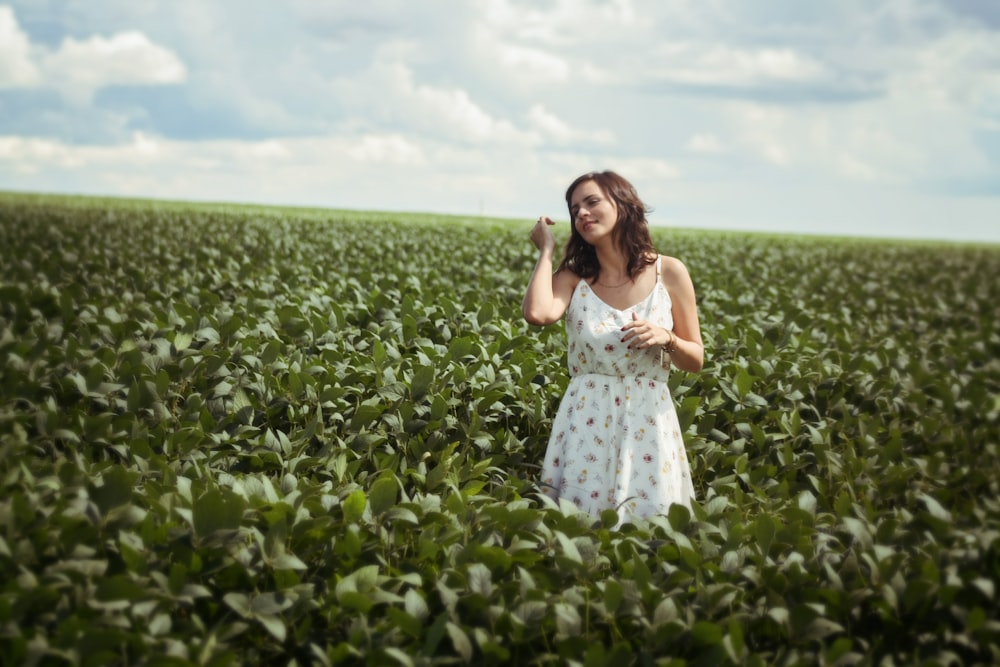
x,y
33,155
78,68
765,131
16,66
959,70
532,65
559,23
553,128
387,95
452,108
387,149
705,142
721,65
645,169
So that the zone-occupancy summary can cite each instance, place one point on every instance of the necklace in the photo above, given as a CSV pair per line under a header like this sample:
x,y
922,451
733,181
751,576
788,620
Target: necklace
x,y
614,286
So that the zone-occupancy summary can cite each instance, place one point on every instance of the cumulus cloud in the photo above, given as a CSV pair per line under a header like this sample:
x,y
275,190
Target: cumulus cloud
x,y
368,171
959,70
532,64
16,66
722,65
553,128
704,142
387,95
78,68
387,149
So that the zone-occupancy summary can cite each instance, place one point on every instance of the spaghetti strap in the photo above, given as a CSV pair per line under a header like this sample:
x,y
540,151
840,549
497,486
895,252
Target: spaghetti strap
x,y
658,258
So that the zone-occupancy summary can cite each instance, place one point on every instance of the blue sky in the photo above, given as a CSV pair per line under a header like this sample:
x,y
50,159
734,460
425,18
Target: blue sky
x,y
847,117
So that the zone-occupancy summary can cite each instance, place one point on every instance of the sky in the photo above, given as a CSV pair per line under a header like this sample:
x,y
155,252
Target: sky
x,y
850,117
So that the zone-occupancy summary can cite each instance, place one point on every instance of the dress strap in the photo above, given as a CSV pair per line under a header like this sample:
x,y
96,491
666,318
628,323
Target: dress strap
x,y
658,258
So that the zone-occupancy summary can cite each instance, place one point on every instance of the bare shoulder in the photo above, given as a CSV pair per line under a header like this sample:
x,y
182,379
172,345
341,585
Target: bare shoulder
x,y
564,282
566,276
673,271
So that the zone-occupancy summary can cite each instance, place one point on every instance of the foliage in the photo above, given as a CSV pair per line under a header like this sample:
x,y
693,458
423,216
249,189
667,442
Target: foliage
x,y
242,434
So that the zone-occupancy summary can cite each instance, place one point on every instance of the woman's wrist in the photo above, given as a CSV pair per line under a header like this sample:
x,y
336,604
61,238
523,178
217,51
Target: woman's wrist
x,y
671,345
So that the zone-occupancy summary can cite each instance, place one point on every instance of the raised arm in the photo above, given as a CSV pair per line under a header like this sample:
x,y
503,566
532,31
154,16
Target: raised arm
x,y
548,295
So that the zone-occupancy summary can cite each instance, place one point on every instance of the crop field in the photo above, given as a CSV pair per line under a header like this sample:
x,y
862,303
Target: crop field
x,y
235,435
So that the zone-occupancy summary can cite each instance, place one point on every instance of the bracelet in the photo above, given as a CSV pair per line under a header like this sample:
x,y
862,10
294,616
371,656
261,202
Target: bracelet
x,y
671,345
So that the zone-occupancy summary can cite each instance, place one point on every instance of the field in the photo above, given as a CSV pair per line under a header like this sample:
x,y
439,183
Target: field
x,y
235,435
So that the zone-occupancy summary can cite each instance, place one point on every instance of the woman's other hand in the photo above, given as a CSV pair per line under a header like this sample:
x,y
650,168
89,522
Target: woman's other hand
x,y
542,236
642,334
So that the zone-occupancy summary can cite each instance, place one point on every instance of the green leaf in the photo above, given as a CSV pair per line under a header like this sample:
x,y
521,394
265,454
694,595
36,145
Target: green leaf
x,y
460,641
383,494
486,314
734,643
613,595
287,561
679,517
217,510
569,548
415,605
119,587
238,602
357,602
665,612
421,382
354,506
934,507
270,604
706,633
274,625
480,579
764,531
568,621
182,341
114,491
743,382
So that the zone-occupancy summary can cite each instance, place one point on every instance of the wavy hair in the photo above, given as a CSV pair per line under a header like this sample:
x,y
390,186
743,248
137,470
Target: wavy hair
x,y
630,235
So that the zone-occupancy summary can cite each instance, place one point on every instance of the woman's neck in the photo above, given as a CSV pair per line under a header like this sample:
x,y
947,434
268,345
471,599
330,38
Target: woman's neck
x,y
614,265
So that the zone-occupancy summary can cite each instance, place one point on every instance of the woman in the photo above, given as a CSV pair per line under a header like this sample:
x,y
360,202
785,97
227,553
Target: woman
x,y
630,315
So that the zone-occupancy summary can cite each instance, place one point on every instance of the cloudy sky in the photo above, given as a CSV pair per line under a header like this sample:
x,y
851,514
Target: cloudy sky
x,y
847,117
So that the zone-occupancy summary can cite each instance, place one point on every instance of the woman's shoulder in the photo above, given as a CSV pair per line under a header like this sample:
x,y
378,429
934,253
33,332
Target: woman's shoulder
x,y
671,266
567,275
565,281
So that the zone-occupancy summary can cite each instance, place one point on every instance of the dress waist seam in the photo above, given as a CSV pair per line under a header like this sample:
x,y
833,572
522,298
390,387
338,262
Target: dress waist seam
x,y
619,377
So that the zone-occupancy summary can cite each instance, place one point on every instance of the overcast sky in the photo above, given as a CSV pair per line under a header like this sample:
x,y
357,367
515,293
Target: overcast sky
x,y
845,117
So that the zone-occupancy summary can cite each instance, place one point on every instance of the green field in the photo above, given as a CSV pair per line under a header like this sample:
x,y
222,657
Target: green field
x,y
237,435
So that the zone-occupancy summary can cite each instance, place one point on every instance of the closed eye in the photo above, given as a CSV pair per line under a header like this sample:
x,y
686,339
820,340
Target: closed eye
x,y
590,202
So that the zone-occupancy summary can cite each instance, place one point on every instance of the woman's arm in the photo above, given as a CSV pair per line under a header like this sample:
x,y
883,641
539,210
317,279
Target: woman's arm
x,y
548,295
689,351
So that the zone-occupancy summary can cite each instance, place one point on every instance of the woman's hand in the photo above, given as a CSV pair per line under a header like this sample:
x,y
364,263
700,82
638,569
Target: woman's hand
x,y
542,236
641,334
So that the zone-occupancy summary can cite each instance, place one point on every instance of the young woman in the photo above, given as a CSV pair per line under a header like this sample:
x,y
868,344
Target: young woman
x,y
630,315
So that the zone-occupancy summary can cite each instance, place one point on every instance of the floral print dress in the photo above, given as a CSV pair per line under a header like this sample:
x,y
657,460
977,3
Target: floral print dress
x,y
616,442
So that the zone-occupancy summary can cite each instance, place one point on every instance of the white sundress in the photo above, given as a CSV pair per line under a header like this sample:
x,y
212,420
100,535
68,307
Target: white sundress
x,y
616,442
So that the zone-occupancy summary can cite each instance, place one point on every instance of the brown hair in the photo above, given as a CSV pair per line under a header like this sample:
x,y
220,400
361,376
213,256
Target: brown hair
x,y
631,233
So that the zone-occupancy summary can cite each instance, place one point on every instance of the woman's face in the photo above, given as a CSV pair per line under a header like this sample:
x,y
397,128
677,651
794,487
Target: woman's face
x,y
594,213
